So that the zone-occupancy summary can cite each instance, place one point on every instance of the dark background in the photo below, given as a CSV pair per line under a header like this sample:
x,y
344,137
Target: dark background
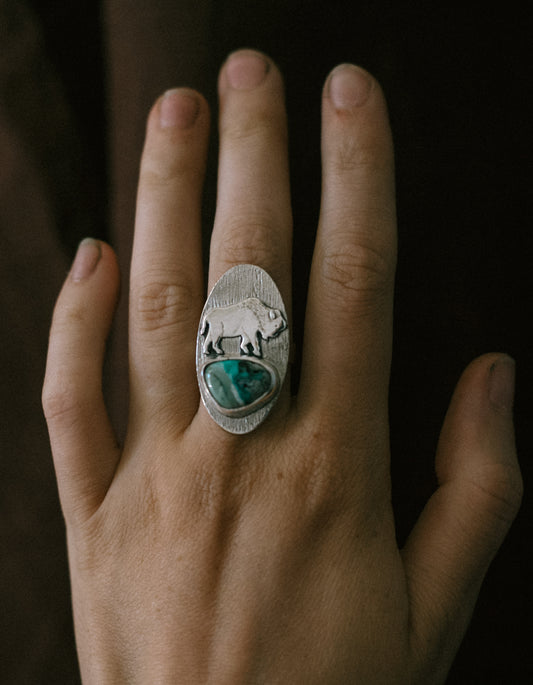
x,y
459,86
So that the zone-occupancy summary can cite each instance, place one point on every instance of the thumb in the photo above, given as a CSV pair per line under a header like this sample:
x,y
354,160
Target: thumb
x,y
467,518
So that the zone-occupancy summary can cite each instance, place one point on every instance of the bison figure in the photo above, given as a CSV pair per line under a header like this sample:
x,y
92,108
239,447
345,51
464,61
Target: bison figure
x,y
250,320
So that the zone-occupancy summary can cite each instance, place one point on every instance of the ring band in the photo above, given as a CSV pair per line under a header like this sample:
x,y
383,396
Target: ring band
x,y
242,348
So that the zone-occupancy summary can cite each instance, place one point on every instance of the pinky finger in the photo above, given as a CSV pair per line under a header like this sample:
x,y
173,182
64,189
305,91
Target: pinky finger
x,y
83,443
466,520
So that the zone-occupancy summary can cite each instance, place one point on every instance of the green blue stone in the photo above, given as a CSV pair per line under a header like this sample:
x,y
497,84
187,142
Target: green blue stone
x,y
236,383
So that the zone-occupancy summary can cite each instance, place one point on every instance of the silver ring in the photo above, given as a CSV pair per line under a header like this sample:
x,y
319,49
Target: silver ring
x,y
242,348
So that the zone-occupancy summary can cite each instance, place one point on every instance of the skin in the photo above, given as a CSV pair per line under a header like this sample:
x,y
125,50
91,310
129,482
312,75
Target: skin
x,y
197,556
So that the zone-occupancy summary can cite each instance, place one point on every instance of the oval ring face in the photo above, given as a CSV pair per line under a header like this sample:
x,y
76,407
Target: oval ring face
x,y
242,348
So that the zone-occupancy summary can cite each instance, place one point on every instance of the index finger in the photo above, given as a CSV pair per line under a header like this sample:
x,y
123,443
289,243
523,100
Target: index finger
x,y
348,332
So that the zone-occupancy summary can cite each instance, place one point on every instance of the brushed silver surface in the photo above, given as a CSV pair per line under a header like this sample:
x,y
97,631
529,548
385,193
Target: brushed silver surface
x,y
243,318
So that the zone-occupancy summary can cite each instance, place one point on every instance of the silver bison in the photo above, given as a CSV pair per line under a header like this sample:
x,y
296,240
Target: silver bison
x,y
249,319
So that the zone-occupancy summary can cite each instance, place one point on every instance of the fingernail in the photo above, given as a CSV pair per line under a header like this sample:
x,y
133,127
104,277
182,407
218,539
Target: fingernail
x,y
178,109
502,383
87,257
246,70
348,86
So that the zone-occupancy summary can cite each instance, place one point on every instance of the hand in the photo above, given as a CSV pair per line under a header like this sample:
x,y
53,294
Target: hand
x,y
200,556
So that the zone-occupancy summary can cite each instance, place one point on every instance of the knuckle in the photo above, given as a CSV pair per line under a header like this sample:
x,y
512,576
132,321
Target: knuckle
x,y
60,402
355,154
318,476
208,492
159,304
216,492
159,173
162,182
258,125
356,270
336,475
69,317
351,156
319,483
499,493
248,240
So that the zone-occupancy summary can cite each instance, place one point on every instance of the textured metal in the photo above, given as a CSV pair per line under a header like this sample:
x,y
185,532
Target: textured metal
x,y
244,318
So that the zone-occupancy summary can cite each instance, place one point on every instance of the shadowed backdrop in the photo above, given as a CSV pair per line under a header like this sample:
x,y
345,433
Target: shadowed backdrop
x,y
76,84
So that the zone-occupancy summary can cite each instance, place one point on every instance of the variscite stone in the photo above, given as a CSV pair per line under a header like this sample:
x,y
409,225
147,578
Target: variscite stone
x,y
235,383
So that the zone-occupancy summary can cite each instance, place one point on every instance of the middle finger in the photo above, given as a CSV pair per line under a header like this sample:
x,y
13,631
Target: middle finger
x,y
253,221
